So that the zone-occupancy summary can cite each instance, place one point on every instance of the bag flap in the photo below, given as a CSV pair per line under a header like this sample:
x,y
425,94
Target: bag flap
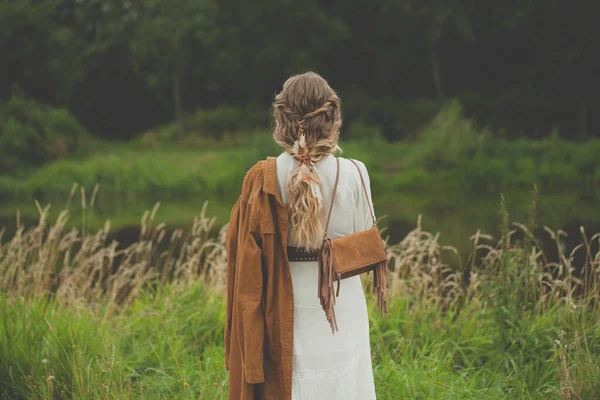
x,y
358,250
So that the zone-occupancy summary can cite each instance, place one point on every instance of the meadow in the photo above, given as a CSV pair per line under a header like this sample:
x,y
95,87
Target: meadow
x,y
85,317
451,153
126,129
451,170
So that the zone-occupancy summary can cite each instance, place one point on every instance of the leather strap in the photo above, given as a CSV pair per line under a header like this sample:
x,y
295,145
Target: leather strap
x,y
337,178
362,180
365,190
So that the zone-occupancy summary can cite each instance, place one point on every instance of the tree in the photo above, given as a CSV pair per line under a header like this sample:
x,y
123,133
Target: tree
x,y
435,19
264,42
37,51
165,37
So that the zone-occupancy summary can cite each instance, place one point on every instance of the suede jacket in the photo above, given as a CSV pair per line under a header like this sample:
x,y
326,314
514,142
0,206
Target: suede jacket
x,y
259,329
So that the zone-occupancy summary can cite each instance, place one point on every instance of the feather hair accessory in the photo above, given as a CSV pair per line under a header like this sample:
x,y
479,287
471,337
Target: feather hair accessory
x,y
302,141
305,173
307,168
316,190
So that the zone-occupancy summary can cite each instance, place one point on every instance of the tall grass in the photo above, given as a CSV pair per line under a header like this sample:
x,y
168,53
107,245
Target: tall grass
x,y
75,265
86,318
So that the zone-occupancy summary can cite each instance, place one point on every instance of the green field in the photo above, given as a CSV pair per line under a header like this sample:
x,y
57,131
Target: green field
x,y
127,128
86,317
501,327
450,154
168,345
452,173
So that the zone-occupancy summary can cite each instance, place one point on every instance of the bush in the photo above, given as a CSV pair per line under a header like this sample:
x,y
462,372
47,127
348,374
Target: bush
x,y
482,173
211,125
449,140
397,119
222,120
361,131
32,133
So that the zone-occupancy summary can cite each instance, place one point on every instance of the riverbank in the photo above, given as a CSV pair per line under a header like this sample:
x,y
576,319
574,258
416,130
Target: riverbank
x,y
449,154
455,216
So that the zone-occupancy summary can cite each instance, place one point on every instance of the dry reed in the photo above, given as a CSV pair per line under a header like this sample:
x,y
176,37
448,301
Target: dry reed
x,y
76,266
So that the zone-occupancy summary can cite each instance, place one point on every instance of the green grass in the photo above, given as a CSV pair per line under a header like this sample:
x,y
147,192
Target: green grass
x,y
520,327
168,345
392,166
139,172
448,154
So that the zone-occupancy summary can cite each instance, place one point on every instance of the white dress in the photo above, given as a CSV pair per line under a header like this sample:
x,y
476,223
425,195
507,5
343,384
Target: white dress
x,y
330,366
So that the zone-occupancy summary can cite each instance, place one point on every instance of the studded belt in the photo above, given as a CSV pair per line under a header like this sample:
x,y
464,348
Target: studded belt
x,y
301,254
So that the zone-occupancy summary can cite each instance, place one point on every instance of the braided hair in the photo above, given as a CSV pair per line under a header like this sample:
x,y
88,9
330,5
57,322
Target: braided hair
x,y
307,116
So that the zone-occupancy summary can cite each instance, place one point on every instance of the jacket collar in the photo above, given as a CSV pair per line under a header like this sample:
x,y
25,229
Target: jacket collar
x,y
270,178
270,183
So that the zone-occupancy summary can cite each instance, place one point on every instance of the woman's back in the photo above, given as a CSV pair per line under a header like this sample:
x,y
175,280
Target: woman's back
x,y
326,365
350,212
305,358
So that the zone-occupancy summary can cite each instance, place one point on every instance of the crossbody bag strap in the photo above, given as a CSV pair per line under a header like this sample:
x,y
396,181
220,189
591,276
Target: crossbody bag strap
x,y
365,190
337,178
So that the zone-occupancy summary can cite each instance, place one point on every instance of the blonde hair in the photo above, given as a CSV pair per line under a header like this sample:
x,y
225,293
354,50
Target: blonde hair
x,y
307,104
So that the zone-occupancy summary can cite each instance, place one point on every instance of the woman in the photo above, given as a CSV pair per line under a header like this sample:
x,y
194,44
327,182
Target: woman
x,y
278,343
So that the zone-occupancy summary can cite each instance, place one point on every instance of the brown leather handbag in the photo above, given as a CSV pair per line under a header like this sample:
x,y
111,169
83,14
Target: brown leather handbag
x,y
351,255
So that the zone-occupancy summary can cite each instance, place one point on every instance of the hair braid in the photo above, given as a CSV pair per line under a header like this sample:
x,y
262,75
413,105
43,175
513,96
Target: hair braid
x,y
307,116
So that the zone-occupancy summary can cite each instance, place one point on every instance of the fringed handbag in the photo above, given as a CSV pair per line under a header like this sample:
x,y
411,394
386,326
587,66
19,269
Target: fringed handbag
x,y
351,255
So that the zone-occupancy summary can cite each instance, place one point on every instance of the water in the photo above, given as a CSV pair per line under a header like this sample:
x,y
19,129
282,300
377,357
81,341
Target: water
x,y
455,217
458,217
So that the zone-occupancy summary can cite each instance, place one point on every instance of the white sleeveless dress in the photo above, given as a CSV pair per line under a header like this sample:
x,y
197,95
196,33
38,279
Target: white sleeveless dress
x,y
330,366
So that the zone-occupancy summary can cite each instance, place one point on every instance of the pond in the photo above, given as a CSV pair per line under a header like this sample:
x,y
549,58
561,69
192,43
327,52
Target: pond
x,y
456,217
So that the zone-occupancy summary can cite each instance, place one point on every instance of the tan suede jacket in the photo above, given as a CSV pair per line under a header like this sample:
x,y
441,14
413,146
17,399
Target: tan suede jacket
x,y
259,328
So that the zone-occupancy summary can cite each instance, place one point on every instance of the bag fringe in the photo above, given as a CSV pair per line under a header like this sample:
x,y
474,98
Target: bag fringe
x,y
326,279
380,284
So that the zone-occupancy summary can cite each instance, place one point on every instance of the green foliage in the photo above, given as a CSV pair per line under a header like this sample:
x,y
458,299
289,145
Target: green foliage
x,y
166,37
424,353
449,139
398,119
218,126
39,52
32,134
169,345
164,346
177,173
505,336
158,60
169,41
361,132
450,153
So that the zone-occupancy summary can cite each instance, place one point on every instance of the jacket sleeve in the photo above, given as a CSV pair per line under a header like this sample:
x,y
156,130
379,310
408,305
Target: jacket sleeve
x,y
231,251
248,298
244,293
